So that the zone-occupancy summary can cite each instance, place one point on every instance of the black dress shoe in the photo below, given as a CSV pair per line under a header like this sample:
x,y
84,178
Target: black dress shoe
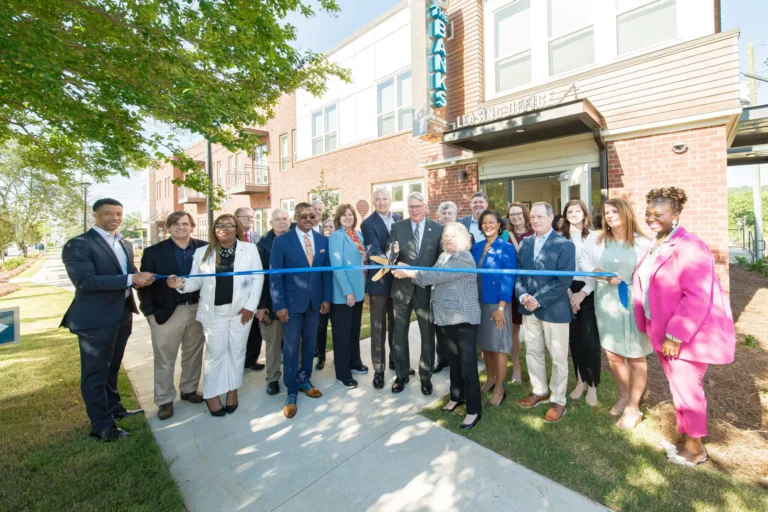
x,y
391,365
256,366
440,366
469,426
273,388
399,385
362,369
124,413
349,384
446,409
426,387
378,380
411,371
219,413
320,364
110,434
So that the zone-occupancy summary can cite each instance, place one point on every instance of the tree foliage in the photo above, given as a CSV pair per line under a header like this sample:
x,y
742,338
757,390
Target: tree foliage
x,y
328,196
81,79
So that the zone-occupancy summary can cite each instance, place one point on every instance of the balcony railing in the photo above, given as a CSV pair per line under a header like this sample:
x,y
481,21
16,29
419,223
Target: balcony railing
x,y
190,196
248,179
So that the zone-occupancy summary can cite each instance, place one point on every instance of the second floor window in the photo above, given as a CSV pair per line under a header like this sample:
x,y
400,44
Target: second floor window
x,y
288,205
285,160
324,132
644,23
218,172
512,48
571,35
394,104
293,146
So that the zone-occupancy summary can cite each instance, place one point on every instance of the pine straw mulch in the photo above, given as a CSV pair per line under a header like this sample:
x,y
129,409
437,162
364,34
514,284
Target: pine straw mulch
x,y
5,275
737,394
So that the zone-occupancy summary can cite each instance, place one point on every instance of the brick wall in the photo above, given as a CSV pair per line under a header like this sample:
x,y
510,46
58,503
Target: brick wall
x,y
448,185
637,165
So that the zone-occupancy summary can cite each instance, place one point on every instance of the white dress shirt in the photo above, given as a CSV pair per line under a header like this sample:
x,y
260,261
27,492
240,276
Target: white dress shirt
x,y
539,242
318,228
474,229
303,243
122,258
388,220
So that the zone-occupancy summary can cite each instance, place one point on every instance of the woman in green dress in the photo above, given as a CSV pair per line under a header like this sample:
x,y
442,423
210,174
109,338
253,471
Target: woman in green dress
x,y
618,248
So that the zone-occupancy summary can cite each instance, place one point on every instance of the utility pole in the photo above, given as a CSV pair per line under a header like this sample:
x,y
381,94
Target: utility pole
x,y
85,205
757,193
209,165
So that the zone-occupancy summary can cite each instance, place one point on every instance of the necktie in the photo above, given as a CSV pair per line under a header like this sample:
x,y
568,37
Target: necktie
x,y
248,237
308,249
416,237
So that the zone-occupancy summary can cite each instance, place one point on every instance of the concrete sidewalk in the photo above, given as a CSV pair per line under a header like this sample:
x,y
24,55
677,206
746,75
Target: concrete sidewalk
x,y
360,449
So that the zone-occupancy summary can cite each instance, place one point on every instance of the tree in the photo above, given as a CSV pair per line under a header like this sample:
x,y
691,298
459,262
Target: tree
x,y
131,226
330,198
81,79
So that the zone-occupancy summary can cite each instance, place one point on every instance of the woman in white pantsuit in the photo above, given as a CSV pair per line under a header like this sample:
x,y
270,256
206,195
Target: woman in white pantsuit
x,y
226,308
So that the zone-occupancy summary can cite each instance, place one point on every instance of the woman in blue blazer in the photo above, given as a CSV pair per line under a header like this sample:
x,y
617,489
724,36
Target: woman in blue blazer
x,y
494,336
347,248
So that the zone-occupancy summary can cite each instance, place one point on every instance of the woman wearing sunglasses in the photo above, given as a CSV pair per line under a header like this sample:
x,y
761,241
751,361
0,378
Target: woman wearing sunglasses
x,y
227,304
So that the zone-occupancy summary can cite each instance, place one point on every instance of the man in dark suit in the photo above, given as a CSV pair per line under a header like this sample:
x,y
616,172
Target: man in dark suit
x,y
546,310
299,299
478,203
416,242
172,316
376,230
100,265
246,217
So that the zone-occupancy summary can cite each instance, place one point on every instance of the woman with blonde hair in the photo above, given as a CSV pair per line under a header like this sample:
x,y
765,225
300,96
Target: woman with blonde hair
x,y
227,305
618,248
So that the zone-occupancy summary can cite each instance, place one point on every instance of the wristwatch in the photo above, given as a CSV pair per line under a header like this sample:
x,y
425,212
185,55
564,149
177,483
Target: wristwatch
x,y
501,308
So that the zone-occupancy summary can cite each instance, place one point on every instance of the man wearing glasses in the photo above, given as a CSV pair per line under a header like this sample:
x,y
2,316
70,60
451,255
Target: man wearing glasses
x,y
414,241
253,351
299,299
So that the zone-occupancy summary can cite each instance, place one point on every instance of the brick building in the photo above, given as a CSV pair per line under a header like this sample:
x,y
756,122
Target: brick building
x,y
544,100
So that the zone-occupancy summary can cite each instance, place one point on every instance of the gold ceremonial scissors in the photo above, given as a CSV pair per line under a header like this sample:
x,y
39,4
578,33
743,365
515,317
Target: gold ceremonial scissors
x,y
381,261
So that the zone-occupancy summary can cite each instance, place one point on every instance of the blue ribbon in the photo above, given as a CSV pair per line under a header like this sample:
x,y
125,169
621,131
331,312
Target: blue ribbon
x,y
623,287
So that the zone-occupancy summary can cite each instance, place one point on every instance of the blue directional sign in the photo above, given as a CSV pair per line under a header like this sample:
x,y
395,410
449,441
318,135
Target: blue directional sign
x,y
9,326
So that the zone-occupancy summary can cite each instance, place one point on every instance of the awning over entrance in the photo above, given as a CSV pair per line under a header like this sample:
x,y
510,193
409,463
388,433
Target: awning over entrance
x,y
751,133
572,118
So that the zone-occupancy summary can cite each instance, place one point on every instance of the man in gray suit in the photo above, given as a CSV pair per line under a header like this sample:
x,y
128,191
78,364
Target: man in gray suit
x,y
253,350
478,203
416,242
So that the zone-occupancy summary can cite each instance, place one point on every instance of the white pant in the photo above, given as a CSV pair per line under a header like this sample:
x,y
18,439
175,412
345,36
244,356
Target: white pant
x,y
226,341
539,334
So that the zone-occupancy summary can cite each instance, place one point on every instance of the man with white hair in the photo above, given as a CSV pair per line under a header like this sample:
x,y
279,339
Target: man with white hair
x,y
414,241
245,215
270,327
447,212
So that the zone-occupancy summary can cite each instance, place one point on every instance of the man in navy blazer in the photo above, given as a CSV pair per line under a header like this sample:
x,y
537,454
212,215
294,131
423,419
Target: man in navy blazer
x,y
298,300
376,230
546,310
100,265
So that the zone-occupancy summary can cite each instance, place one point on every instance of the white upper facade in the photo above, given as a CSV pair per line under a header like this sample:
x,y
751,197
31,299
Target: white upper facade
x,y
376,101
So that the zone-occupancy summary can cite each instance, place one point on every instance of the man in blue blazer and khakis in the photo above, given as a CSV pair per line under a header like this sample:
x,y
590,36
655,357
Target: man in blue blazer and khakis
x,y
299,299
375,231
546,310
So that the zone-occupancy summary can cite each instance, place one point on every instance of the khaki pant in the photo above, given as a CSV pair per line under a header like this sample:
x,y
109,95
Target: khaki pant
x,y
181,330
272,335
554,337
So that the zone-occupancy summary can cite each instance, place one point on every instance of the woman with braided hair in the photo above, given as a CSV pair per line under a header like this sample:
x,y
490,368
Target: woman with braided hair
x,y
681,304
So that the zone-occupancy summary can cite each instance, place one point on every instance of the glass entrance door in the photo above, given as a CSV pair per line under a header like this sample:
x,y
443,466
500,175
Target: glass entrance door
x,y
576,184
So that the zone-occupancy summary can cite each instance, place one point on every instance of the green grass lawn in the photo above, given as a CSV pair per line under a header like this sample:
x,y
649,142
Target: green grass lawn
x,y
31,271
47,460
587,453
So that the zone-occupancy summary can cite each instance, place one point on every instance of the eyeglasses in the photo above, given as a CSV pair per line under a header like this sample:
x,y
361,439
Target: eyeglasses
x,y
249,217
305,216
415,206
516,214
225,226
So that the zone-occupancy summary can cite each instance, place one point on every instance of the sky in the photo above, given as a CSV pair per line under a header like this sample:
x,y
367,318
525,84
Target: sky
x,y
323,32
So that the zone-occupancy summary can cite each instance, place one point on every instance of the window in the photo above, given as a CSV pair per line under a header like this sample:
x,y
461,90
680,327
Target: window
x,y
285,160
571,35
218,172
288,205
399,192
512,48
260,165
230,164
260,221
202,228
394,101
335,193
324,130
159,190
644,23
293,146
167,186
237,162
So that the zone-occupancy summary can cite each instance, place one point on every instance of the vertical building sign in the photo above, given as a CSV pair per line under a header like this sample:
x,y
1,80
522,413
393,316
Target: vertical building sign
x,y
429,29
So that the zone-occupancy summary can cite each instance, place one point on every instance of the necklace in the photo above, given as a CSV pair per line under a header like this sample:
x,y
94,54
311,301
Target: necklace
x,y
614,251
229,251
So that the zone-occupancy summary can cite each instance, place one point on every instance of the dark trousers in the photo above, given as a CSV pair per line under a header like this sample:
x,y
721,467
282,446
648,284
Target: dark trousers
x,y
382,330
253,349
442,350
420,303
300,326
345,326
585,339
322,336
101,354
461,344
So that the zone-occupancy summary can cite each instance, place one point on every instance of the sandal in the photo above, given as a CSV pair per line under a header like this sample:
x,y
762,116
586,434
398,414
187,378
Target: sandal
x,y
615,410
490,388
622,424
682,461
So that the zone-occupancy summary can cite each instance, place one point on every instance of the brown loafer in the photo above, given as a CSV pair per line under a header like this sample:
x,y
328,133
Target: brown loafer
x,y
555,413
165,411
289,410
313,392
531,401
193,398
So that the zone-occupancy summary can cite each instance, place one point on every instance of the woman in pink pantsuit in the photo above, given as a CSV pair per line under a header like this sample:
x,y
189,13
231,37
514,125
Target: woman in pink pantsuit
x,y
680,303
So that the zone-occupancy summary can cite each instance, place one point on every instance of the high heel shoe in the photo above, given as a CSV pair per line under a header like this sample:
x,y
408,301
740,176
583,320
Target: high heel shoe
x,y
231,408
219,412
446,409
465,426
503,397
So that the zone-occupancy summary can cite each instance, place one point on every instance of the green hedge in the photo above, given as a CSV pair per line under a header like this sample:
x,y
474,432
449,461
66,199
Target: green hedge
x,y
12,263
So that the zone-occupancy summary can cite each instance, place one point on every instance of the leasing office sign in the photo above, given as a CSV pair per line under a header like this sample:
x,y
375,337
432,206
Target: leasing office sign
x,y
429,30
